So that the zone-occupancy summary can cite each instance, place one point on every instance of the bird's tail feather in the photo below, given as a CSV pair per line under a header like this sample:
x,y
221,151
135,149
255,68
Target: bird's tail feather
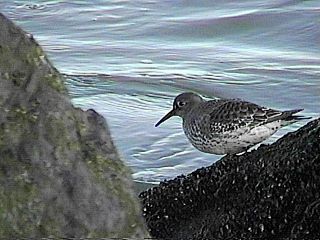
x,y
289,117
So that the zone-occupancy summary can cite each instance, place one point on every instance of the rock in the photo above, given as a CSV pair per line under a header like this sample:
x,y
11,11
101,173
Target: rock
x,y
60,173
269,193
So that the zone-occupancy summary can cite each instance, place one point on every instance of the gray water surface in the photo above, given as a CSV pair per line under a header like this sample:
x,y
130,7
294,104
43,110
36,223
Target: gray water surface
x,y
129,59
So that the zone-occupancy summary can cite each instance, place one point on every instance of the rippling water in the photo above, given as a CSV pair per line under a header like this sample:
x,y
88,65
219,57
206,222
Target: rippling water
x,y
129,59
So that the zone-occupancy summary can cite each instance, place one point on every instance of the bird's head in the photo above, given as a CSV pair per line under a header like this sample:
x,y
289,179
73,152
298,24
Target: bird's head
x,y
182,104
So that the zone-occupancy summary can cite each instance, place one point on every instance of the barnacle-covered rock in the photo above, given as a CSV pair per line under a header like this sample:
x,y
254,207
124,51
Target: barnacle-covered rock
x,y
269,193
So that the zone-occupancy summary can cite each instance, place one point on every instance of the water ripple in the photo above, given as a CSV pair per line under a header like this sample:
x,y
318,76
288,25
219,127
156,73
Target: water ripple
x,y
129,59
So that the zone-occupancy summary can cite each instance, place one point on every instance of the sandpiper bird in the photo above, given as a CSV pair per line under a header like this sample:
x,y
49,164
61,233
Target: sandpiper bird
x,y
227,126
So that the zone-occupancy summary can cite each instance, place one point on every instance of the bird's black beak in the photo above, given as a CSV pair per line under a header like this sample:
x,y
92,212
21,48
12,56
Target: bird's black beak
x,y
166,117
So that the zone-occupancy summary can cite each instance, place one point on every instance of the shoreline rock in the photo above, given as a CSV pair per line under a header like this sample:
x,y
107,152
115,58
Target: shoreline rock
x,y
60,173
268,193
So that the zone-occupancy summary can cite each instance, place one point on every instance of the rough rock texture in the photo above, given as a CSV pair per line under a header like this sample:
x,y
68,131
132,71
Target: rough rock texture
x,y
60,174
269,193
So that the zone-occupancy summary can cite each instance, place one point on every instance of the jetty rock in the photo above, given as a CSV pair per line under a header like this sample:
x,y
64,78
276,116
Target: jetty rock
x,y
60,173
269,193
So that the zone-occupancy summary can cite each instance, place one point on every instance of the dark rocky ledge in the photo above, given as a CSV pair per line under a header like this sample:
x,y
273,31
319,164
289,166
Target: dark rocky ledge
x,y
270,193
60,173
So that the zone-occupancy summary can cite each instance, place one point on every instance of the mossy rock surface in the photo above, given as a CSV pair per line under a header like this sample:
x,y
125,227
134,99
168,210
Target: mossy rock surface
x,y
60,173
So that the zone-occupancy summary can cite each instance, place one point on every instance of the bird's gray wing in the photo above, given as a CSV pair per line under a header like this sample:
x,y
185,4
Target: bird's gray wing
x,y
232,114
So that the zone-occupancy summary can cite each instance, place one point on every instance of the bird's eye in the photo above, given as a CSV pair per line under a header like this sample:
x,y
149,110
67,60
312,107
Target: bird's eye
x,y
181,104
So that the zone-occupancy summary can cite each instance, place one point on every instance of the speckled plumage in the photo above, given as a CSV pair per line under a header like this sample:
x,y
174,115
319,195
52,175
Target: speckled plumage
x,y
227,126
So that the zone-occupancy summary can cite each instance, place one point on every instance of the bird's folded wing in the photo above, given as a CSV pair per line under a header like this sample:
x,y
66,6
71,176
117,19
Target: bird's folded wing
x,y
233,114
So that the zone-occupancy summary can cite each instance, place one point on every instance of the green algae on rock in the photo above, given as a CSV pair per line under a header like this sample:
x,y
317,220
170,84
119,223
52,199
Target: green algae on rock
x,y
60,173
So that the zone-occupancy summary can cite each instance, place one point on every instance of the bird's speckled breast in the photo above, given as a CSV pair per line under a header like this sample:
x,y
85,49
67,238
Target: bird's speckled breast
x,y
204,138
200,136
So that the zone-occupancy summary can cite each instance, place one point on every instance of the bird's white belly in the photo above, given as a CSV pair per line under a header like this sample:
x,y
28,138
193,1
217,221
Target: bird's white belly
x,y
260,133
236,141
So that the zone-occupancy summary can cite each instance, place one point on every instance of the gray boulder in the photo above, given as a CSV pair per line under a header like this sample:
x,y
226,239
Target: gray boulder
x,y
60,173
268,193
